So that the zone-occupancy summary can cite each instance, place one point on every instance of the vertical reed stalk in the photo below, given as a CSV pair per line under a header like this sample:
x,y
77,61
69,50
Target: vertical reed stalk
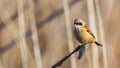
x,y
92,20
89,59
1,64
22,46
69,32
35,39
102,36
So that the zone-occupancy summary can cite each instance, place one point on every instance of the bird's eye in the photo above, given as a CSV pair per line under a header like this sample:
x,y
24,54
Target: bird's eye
x,y
80,23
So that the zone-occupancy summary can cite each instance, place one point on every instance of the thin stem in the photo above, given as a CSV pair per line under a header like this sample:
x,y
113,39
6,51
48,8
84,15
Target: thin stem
x,y
22,46
92,21
102,36
35,39
69,32
59,63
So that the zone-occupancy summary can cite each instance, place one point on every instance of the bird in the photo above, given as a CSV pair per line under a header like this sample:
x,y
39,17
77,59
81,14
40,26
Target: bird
x,y
83,33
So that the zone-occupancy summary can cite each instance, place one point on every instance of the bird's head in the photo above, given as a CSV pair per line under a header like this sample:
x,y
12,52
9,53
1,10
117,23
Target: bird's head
x,y
78,23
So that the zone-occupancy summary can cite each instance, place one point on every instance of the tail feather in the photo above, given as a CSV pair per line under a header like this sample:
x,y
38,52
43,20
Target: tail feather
x,y
98,44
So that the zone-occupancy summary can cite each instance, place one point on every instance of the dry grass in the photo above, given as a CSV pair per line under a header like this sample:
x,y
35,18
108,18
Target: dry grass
x,y
33,33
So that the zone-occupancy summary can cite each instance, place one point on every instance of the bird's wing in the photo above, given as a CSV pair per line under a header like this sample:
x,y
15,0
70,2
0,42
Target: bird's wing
x,y
88,30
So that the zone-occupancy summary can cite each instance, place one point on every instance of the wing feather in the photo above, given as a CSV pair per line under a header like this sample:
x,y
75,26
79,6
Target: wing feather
x,y
88,30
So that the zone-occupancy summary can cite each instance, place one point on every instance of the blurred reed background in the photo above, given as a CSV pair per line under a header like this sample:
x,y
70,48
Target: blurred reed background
x,y
38,33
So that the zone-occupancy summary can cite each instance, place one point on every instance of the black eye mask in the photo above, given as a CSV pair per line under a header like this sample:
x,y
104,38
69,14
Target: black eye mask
x,y
78,23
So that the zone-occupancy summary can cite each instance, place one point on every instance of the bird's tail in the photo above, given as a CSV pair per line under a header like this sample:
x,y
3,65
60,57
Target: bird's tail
x,y
98,44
